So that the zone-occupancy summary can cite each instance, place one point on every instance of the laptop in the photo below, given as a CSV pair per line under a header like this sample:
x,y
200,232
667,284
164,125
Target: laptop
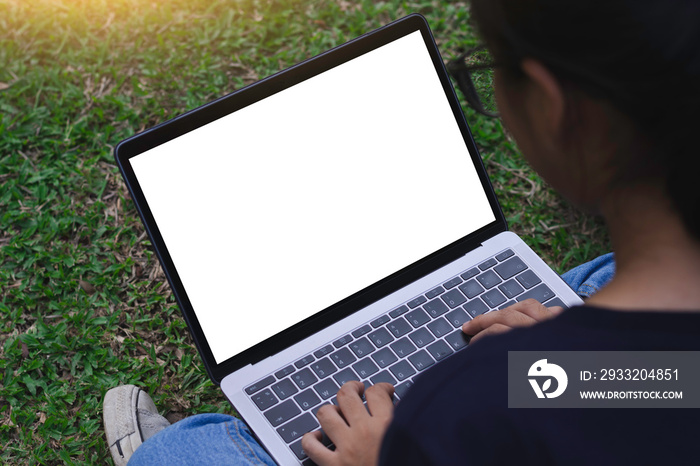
x,y
331,222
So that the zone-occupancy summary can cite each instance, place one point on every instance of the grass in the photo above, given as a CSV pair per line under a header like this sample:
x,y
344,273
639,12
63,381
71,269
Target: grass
x,y
83,303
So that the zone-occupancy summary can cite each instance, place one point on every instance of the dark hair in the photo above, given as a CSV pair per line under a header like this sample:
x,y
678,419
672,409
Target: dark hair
x,y
642,56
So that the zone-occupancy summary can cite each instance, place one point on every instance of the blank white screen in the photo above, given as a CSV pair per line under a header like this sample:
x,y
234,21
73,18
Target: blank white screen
x,y
285,207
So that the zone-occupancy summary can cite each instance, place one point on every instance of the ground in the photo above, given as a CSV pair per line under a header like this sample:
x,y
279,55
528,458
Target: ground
x,y
84,305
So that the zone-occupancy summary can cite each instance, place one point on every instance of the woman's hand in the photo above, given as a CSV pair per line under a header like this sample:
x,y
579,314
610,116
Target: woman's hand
x,y
521,314
356,433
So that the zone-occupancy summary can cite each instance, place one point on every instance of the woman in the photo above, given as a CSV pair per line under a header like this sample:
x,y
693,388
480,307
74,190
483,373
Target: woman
x,y
601,98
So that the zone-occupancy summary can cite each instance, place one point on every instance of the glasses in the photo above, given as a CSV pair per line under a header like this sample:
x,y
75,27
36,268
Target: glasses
x,y
473,71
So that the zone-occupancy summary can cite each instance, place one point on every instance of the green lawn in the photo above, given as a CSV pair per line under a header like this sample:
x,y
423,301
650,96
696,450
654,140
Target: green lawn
x,y
83,303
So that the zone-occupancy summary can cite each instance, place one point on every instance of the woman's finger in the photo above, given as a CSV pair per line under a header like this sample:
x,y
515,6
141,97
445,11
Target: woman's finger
x,y
350,402
379,400
494,329
509,317
315,449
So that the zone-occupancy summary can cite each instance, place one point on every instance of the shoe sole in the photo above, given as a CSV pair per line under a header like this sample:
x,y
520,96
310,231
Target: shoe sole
x,y
120,422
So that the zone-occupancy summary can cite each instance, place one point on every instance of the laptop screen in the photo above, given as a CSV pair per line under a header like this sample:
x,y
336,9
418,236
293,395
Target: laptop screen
x,y
289,205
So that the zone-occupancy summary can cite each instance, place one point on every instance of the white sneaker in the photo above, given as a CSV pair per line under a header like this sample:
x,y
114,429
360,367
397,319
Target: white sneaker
x,y
130,418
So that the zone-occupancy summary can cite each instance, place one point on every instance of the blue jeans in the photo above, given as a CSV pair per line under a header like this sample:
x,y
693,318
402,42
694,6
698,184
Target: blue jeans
x,y
587,279
214,439
222,439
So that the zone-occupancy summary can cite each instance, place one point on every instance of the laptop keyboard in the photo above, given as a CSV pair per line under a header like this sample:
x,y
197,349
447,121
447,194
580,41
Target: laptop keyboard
x,y
394,347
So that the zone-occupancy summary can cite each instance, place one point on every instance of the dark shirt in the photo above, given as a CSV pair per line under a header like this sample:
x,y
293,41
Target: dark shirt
x,y
457,412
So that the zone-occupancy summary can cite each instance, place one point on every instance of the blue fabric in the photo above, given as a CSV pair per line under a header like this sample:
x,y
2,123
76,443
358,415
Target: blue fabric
x,y
587,279
202,439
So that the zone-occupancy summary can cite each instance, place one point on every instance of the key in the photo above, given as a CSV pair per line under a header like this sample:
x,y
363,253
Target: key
x,y
307,399
421,337
298,451
439,350
343,357
264,399
417,317
416,302
326,389
435,308
323,368
284,389
362,347
488,279
376,323
398,311
457,340
471,289
304,378
362,331
328,349
557,302
453,298
504,255
365,367
381,337
528,279
434,292
342,341
403,347
345,375
402,389
295,429
440,327
282,413
402,370
494,298
257,386
421,360
541,293
470,274
511,289
284,372
510,268
476,307
487,264
399,327
383,376
305,361
457,317
452,283
384,357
